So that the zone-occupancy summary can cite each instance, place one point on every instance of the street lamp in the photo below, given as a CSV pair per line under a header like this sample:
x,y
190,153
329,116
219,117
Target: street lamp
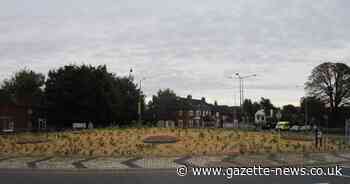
x,y
139,104
241,79
140,100
241,86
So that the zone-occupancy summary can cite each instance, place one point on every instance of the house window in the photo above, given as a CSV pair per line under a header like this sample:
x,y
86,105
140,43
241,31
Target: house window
x,y
180,113
197,123
190,113
190,123
7,125
180,123
42,124
198,113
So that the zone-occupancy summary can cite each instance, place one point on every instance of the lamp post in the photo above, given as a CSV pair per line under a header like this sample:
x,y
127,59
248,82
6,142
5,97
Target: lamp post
x,y
139,109
241,87
139,104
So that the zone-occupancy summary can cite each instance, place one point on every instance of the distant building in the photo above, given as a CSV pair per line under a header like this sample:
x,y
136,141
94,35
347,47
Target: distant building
x,y
197,113
17,117
228,114
194,113
260,117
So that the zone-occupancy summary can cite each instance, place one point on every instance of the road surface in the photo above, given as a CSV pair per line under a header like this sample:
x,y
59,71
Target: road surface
x,y
150,177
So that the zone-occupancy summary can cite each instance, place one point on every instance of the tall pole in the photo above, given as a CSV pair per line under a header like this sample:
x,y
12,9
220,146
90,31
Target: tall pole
x,y
242,91
241,88
306,112
241,85
234,109
130,73
235,100
243,113
139,104
240,98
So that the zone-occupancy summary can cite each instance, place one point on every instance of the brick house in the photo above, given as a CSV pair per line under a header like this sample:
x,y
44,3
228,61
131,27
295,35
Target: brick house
x,y
195,113
228,114
17,117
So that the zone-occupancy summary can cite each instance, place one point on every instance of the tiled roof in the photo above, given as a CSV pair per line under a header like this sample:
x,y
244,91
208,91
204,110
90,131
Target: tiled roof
x,y
193,104
196,104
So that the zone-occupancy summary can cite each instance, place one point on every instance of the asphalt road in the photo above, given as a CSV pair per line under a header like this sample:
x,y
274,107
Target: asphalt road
x,y
148,177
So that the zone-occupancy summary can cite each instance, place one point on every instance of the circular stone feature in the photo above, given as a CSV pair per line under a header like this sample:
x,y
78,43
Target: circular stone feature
x,y
32,141
160,139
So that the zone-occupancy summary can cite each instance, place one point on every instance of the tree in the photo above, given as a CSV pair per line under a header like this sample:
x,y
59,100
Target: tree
x,y
248,110
314,109
87,93
330,82
266,104
256,106
290,113
164,104
4,97
25,86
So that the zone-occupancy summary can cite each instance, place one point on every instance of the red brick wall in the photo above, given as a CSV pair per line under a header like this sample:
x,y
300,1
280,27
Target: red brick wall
x,y
19,115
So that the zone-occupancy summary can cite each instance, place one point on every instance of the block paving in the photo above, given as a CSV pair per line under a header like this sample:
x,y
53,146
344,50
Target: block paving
x,y
117,163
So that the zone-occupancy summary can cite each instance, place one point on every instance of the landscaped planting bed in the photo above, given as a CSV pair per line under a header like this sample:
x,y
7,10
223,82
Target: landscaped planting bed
x,y
129,142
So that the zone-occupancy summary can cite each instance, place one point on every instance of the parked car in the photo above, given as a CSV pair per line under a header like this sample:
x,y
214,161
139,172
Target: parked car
x,y
282,125
295,128
306,128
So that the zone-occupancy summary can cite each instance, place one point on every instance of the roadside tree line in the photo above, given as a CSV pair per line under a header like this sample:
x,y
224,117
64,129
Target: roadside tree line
x,y
74,94
91,93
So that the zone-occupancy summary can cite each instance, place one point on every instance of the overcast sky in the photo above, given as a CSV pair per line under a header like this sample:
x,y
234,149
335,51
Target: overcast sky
x,y
190,46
